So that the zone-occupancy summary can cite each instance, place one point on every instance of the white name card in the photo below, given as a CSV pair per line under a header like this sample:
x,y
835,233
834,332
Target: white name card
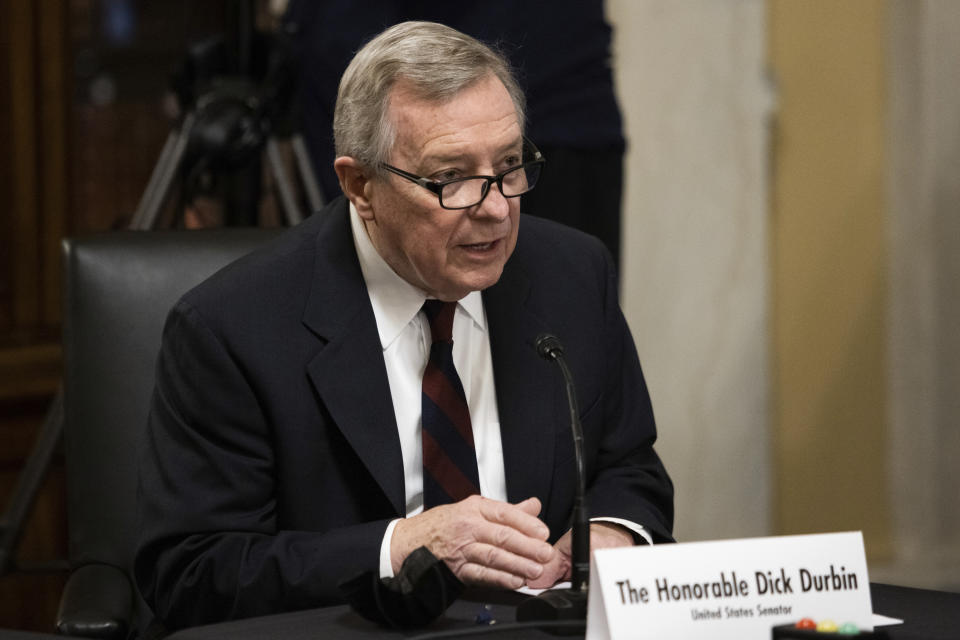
x,y
727,589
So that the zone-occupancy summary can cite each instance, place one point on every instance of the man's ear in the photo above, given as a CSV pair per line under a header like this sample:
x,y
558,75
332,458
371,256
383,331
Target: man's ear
x,y
354,181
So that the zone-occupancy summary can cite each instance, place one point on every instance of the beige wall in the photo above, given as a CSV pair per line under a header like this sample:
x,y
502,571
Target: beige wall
x,y
791,269
692,88
829,270
923,228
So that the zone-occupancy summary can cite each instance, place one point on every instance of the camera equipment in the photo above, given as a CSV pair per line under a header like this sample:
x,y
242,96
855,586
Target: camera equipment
x,y
236,95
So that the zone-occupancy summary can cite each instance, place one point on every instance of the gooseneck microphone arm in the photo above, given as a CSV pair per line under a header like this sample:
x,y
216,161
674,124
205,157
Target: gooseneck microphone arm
x,y
550,348
566,605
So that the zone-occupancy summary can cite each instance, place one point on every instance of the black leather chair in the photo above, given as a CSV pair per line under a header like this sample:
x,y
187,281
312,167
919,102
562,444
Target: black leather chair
x,y
118,289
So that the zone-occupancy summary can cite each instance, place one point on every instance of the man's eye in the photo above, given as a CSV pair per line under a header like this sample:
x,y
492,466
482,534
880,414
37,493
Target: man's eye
x,y
445,175
511,161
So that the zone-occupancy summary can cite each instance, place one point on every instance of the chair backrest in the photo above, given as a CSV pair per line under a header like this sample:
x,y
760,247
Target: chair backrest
x,y
118,289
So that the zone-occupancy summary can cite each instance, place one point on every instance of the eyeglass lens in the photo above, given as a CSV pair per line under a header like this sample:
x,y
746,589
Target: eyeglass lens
x,y
466,193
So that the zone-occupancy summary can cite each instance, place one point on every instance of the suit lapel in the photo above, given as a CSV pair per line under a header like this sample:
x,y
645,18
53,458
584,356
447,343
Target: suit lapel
x,y
350,378
525,385
348,371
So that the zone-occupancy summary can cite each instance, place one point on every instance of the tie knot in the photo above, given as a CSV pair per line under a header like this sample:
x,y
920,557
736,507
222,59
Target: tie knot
x,y
440,315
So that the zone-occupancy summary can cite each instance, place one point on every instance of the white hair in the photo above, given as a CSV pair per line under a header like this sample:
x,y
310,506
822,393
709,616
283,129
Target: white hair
x,y
435,61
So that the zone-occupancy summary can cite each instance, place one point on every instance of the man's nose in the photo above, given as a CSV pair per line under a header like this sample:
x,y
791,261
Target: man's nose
x,y
495,204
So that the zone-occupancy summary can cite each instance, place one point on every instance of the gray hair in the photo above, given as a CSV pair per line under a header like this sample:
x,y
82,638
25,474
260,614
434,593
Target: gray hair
x,y
437,61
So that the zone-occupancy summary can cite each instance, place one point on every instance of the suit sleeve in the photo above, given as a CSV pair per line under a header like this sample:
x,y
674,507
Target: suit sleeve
x,y
209,546
626,478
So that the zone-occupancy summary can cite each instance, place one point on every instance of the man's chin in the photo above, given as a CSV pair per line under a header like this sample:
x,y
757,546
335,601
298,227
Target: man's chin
x,y
486,279
472,282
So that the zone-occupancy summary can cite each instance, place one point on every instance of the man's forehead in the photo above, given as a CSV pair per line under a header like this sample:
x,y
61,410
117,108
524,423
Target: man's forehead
x,y
407,88
405,95
454,154
482,110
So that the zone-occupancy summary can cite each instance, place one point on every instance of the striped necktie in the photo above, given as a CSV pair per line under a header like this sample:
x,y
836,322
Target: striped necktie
x,y
449,457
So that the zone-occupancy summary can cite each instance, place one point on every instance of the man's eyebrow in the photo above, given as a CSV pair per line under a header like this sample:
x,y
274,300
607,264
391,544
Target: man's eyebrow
x,y
442,158
513,146
445,158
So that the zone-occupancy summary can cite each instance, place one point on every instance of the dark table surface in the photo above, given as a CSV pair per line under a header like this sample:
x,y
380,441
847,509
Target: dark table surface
x,y
927,615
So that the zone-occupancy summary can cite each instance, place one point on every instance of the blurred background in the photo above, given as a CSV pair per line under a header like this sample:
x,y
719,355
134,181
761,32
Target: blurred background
x,y
790,251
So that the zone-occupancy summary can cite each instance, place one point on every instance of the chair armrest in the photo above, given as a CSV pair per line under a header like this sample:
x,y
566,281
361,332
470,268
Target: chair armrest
x,y
97,602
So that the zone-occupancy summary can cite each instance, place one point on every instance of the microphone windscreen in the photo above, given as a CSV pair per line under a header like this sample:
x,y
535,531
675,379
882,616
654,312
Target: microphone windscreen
x,y
548,346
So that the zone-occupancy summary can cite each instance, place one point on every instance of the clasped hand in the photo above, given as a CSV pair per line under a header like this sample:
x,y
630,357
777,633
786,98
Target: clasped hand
x,y
495,544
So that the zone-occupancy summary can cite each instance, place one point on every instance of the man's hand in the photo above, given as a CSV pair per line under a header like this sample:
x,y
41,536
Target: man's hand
x,y
484,542
603,535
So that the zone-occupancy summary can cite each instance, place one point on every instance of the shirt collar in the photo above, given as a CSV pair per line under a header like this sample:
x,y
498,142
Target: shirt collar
x,y
395,301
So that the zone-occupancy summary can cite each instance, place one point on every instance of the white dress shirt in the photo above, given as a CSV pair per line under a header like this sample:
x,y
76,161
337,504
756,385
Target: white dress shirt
x,y
405,339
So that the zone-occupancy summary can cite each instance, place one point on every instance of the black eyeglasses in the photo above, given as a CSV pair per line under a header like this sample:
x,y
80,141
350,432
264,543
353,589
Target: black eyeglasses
x,y
469,191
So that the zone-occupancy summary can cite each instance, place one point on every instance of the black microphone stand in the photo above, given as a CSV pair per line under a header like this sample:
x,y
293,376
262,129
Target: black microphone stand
x,y
566,604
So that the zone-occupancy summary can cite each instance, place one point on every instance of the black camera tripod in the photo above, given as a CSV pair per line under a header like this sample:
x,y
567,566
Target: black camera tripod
x,y
236,93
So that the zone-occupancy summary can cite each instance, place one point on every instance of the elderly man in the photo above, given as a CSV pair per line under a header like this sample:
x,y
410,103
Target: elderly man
x,y
311,419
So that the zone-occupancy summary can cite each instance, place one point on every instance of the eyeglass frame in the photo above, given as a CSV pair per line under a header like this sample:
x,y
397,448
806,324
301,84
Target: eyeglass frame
x,y
436,187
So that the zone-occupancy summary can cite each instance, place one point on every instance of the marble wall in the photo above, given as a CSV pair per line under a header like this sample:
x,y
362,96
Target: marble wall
x,y
697,265
691,82
923,227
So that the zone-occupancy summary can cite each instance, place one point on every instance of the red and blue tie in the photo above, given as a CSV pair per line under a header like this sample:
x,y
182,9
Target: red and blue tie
x,y
449,456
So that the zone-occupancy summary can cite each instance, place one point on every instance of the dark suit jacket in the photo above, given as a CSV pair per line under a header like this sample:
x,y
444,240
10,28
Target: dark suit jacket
x,y
272,464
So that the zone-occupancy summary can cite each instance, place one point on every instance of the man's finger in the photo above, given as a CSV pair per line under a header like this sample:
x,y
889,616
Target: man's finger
x,y
475,574
515,542
531,505
553,572
501,559
521,516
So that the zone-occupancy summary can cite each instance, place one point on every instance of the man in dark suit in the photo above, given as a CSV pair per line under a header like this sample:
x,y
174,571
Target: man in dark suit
x,y
285,452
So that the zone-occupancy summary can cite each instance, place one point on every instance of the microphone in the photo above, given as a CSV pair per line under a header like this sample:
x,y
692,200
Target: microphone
x,y
566,604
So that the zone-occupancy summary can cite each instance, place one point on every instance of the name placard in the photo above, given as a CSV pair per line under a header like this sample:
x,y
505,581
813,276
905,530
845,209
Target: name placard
x,y
735,589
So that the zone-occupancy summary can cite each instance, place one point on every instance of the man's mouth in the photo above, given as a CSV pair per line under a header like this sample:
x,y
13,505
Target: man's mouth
x,y
480,246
